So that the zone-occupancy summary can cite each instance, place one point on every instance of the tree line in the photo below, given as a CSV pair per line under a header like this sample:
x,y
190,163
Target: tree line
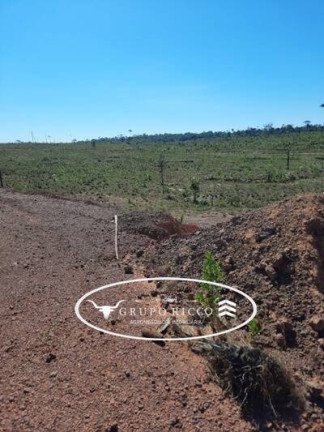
x,y
268,129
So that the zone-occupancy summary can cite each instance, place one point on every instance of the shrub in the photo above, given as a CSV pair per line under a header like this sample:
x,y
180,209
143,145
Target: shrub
x,y
211,272
195,187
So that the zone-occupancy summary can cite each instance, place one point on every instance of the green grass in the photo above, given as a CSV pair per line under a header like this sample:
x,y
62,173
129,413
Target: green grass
x,y
233,172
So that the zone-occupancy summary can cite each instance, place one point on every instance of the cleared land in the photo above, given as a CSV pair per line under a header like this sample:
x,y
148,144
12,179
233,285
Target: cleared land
x,y
233,172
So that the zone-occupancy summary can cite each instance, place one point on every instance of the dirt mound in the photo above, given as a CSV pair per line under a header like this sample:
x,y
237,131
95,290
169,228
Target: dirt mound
x,y
276,256
156,225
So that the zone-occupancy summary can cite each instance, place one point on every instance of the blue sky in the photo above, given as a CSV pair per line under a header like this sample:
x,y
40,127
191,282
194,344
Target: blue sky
x,y
84,69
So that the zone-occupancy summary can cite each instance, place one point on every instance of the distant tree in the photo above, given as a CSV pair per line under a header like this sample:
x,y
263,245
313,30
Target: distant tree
x,y
129,139
121,137
288,127
268,127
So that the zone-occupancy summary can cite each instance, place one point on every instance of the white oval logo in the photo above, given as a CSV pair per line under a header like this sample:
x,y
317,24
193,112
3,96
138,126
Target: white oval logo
x,y
225,308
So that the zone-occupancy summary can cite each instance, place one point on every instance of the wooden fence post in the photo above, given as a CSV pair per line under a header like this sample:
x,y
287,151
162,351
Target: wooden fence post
x,y
288,159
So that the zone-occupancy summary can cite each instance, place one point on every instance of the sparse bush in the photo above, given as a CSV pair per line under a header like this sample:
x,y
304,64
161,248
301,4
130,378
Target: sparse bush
x,y
195,187
165,189
270,177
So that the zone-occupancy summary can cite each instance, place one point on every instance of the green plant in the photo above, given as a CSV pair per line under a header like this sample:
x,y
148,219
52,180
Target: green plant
x,y
254,328
211,272
165,189
195,187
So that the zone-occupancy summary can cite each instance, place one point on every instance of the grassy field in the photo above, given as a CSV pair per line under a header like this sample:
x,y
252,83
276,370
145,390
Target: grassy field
x,y
232,172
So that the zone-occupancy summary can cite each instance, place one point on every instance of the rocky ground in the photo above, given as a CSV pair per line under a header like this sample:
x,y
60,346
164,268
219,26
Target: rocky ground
x,y
59,375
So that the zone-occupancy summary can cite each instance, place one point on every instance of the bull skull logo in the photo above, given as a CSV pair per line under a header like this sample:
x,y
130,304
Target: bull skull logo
x,y
106,310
